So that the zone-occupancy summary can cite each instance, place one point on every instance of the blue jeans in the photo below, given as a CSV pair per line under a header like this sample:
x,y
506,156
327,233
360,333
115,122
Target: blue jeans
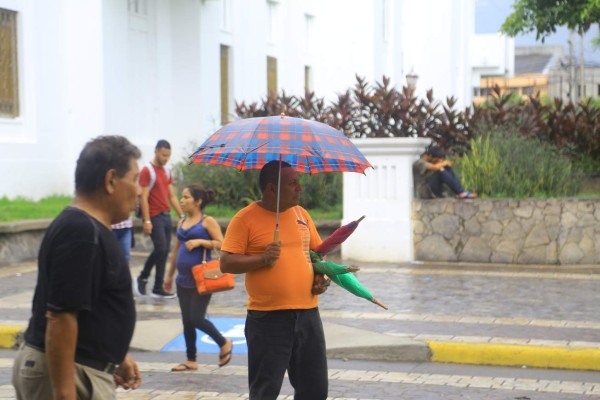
x,y
443,177
291,340
161,239
124,238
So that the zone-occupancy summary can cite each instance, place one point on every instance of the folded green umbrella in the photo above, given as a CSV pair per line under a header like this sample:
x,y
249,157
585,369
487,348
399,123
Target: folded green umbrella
x,y
343,276
329,267
352,284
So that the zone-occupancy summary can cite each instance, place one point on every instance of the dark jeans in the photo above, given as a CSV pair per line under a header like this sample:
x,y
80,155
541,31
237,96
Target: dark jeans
x,y
161,239
124,237
443,177
291,340
193,314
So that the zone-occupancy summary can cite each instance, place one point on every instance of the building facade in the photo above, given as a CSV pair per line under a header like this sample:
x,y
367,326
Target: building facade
x,y
71,70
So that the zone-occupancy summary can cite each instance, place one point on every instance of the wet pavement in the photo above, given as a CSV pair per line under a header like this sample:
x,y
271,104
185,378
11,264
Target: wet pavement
x,y
455,303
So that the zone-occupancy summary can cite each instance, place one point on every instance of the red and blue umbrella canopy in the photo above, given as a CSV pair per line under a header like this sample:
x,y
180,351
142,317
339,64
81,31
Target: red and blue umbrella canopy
x,y
308,146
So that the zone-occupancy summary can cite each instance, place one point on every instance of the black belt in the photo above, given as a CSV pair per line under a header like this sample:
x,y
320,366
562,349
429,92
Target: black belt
x,y
99,365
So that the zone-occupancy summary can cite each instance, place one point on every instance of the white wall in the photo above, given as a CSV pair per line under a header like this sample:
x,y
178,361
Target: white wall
x,y
90,67
492,54
60,68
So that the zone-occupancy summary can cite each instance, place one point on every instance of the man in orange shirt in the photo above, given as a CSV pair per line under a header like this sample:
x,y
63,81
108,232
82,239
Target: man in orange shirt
x,y
283,326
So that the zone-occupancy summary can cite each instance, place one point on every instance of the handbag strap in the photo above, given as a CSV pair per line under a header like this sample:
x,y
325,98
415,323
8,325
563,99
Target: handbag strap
x,y
204,255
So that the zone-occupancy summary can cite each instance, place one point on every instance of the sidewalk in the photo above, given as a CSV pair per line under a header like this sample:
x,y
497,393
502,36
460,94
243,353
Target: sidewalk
x,y
534,316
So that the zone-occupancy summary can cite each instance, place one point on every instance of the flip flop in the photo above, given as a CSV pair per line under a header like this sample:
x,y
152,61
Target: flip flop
x,y
183,368
225,358
468,195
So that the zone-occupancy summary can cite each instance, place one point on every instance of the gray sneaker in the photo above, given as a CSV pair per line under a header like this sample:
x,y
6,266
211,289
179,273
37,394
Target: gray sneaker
x,y
140,286
161,294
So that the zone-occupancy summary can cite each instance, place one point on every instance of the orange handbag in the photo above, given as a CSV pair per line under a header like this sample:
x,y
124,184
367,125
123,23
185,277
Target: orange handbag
x,y
209,278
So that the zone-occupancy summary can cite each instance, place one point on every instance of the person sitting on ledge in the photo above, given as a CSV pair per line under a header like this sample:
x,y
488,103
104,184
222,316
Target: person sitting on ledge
x,y
432,172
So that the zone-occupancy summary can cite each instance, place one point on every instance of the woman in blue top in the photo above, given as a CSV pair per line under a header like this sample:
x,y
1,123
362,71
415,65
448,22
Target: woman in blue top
x,y
196,234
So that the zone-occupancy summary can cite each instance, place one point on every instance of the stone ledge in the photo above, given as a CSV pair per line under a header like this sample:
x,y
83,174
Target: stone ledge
x,y
20,240
563,231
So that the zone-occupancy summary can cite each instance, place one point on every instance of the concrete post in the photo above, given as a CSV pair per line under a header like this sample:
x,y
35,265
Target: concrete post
x,y
384,195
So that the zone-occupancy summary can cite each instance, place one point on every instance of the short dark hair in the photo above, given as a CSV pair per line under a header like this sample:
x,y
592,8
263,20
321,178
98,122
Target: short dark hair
x,y
100,155
435,152
162,144
269,173
198,192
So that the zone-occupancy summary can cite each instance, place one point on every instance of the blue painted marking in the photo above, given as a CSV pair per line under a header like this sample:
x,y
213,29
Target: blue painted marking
x,y
231,328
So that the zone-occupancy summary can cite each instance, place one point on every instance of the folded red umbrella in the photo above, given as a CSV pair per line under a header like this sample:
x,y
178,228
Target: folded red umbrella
x,y
337,237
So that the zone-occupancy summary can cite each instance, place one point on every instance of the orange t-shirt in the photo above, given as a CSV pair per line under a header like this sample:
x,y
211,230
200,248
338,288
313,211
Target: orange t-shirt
x,y
287,284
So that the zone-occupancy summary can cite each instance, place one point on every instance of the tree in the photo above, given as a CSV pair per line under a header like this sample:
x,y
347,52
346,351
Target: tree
x,y
544,16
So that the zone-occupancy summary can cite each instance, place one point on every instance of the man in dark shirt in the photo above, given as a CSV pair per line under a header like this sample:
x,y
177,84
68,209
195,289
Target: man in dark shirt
x,y
83,312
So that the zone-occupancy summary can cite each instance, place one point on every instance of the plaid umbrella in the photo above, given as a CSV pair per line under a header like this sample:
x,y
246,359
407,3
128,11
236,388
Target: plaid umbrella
x,y
308,146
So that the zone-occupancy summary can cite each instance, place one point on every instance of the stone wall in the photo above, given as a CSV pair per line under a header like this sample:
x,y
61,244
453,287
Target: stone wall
x,y
523,231
20,241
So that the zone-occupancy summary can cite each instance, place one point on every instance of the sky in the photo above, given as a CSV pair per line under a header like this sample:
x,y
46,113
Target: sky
x,y
490,14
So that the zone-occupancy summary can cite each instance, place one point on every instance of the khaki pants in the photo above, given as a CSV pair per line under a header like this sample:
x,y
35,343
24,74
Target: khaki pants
x,y
31,379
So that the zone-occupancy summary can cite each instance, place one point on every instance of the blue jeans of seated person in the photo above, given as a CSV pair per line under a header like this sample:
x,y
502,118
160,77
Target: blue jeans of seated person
x,y
124,237
443,177
161,239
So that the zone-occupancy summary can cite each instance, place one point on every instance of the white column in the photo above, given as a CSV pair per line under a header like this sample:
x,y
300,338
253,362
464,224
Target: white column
x,y
210,65
384,195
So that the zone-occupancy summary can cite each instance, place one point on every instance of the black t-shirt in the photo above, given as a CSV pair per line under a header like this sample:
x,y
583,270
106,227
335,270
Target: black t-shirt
x,y
81,268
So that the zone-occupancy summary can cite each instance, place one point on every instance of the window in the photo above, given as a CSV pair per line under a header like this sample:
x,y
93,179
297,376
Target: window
x,y
271,75
138,7
309,32
273,21
224,84
307,78
226,15
9,73
386,20
528,90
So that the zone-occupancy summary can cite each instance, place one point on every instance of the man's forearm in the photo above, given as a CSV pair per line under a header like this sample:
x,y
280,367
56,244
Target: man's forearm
x,y
240,264
60,343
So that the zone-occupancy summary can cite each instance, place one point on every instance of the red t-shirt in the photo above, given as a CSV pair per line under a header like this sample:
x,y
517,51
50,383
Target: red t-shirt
x,y
158,199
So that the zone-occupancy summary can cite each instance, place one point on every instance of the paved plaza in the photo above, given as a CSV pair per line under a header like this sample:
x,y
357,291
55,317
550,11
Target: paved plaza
x,y
475,311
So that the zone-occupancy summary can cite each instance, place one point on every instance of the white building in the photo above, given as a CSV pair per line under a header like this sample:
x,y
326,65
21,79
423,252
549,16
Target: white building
x,y
71,70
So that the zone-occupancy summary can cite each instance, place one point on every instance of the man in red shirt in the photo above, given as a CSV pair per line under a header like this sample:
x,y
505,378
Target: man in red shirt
x,y
157,191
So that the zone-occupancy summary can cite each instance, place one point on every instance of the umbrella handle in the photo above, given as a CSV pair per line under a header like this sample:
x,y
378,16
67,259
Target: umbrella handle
x,y
275,239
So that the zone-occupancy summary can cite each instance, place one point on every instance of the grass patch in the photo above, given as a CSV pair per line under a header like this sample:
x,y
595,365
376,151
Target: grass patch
x,y
23,209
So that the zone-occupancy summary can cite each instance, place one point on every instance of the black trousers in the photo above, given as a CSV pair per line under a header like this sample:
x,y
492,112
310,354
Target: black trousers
x,y
193,315
291,340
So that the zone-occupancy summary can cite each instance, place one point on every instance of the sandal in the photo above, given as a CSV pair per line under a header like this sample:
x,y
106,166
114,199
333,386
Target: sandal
x,y
467,195
224,358
183,368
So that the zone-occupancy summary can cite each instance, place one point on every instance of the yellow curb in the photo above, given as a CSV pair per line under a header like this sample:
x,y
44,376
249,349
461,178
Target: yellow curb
x,y
8,335
515,355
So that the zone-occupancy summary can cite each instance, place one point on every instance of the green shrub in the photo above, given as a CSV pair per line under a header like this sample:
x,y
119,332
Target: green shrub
x,y
236,189
502,163
233,188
